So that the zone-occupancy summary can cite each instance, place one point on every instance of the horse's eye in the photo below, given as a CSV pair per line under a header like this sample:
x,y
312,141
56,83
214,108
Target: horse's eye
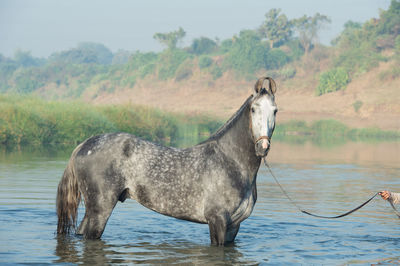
x,y
252,110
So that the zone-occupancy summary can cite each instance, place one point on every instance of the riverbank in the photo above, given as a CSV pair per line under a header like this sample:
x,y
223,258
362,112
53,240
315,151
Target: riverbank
x,y
31,121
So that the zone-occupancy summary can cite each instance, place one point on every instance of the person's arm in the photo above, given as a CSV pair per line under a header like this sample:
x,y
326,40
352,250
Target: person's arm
x,y
395,197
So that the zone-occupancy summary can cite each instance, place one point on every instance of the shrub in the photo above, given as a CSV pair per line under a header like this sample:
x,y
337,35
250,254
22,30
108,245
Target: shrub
x,y
169,62
287,72
205,61
358,60
397,47
139,65
296,50
184,71
332,80
144,122
129,81
275,59
390,74
203,45
139,60
226,46
27,80
146,70
216,72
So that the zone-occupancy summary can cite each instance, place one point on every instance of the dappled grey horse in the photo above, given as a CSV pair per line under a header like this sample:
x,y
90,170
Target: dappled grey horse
x,y
213,182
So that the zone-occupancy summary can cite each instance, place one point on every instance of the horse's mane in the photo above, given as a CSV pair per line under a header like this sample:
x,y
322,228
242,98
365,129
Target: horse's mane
x,y
225,127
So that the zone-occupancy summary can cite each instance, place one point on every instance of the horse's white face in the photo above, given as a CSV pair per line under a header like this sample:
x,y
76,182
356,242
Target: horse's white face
x,y
263,112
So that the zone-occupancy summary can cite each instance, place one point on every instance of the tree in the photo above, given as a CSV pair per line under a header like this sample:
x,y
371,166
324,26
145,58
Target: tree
x,y
85,53
25,59
390,19
203,45
170,39
74,56
347,37
349,25
103,54
247,54
276,28
121,57
308,27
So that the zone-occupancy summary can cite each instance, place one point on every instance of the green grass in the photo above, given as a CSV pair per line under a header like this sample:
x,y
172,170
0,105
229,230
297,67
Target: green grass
x,y
26,120
31,121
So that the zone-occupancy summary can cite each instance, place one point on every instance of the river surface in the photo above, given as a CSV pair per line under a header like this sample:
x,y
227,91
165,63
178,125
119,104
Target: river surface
x,y
325,180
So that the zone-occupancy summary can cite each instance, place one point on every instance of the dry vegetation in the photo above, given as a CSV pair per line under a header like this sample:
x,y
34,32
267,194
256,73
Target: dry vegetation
x,y
367,101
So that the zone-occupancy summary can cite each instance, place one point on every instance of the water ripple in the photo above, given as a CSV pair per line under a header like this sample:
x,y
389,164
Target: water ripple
x,y
276,233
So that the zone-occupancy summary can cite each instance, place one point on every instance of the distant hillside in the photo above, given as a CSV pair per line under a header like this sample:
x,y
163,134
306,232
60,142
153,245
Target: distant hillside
x,y
356,80
368,100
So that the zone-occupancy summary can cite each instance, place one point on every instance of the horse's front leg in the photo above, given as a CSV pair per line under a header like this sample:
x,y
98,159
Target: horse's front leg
x,y
231,233
222,231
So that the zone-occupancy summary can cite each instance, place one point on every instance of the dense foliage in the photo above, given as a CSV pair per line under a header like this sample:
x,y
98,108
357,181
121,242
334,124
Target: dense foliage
x,y
29,120
360,45
359,48
332,80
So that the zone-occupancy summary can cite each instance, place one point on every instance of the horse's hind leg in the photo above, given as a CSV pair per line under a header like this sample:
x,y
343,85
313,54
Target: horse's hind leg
x,y
98,208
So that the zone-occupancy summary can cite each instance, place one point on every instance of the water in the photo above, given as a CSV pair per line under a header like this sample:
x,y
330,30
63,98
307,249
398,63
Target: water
x,y
327,181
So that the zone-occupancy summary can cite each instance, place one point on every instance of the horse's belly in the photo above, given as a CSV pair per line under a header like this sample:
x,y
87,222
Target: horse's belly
x,y
174,202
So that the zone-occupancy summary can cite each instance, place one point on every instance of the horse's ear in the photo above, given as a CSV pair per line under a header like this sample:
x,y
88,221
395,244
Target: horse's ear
x,y
260,85
272,85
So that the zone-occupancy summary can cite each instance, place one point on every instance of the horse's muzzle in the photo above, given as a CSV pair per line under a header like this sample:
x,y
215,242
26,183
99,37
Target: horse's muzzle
x,y
262,146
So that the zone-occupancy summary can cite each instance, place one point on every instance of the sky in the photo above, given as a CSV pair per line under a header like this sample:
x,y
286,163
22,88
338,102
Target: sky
x,y
47,26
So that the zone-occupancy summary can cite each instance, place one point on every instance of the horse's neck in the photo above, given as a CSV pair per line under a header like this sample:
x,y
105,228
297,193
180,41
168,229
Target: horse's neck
x,y
237,141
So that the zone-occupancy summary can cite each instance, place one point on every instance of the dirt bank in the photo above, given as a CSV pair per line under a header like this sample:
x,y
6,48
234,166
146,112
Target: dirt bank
x,y
368,101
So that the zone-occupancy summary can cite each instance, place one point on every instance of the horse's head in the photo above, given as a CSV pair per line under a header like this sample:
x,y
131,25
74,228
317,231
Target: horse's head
x,y
262,114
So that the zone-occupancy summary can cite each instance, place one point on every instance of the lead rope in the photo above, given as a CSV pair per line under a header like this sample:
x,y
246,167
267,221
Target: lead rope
x,y
394,209
321,216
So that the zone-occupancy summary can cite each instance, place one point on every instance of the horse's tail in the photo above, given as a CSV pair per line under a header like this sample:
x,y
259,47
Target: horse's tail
x,y
68,197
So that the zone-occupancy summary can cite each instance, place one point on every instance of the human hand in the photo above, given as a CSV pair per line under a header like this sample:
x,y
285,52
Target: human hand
x,y
385,194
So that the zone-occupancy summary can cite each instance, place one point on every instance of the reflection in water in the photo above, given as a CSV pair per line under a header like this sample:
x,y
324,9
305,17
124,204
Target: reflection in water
x,y
98,252
91,252
66,250
359,153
